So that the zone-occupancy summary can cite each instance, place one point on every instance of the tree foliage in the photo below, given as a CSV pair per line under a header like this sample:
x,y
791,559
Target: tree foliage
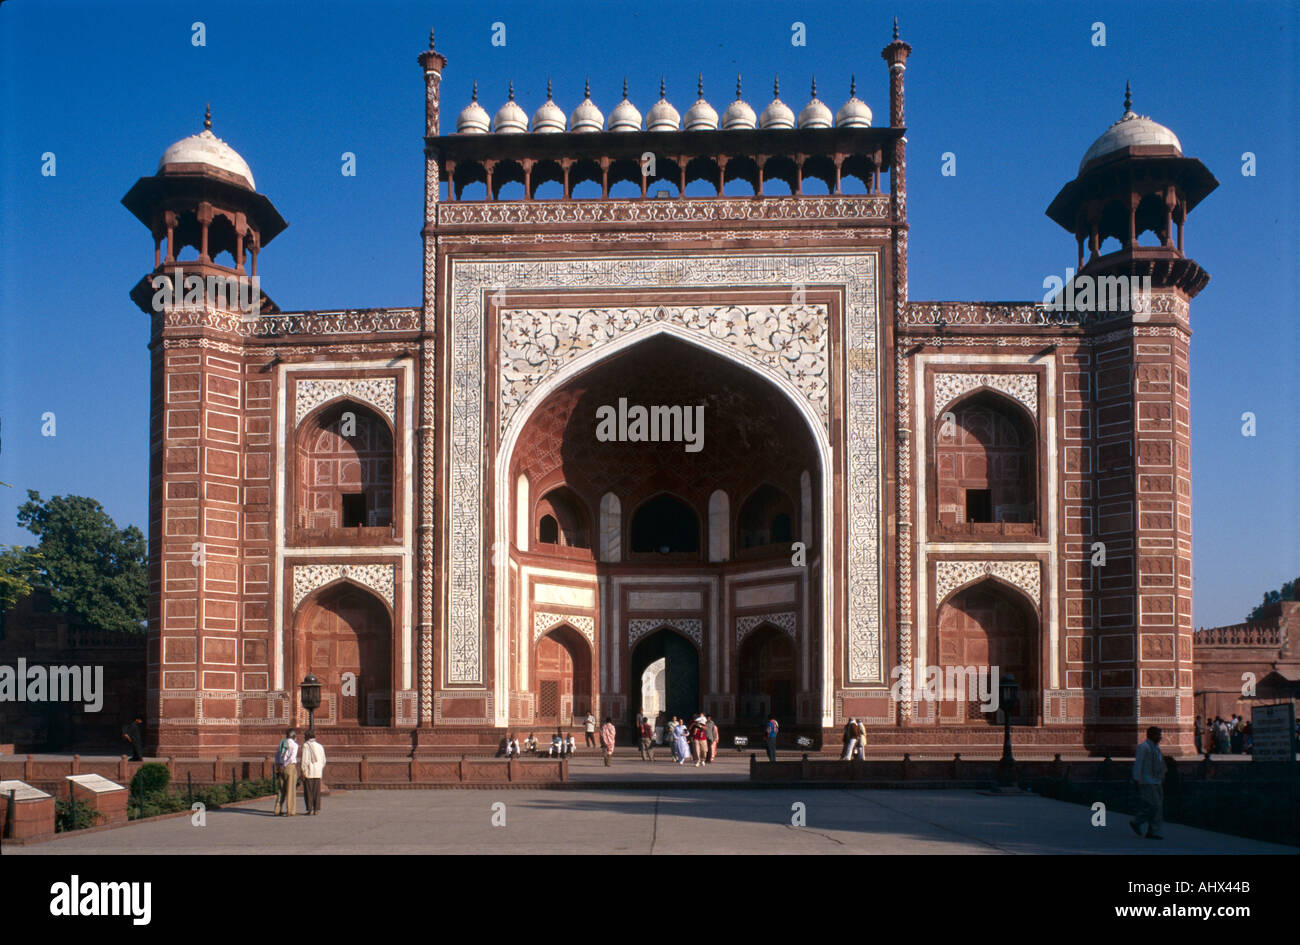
x,y
1286,592
90,567
17,571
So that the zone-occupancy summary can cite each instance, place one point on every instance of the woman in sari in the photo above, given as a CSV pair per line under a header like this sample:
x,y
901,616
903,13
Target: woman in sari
x,y
680,746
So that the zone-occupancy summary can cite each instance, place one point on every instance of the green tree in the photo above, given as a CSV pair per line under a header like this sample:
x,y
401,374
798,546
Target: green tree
x,y
1286,592
89,566
17,571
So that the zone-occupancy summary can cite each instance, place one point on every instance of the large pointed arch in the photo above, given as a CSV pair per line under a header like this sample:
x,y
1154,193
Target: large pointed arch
x,y
538,395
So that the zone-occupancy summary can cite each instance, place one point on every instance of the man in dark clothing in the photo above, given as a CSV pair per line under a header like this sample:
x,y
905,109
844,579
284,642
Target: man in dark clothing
x,y
131,733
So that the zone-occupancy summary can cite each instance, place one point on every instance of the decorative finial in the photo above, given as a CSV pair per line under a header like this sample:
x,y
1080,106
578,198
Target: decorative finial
x,y
814,86
853,86
776,86
663,88
512,90
737,86
700,85
207,117
1128,98
431,37
474,97
625,88
895,29
548,88
586,88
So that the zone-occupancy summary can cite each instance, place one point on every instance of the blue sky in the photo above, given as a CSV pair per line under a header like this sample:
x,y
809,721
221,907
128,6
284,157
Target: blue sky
x,y
1016,90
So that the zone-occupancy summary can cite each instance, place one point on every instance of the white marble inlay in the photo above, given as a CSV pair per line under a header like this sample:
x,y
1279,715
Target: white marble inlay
x,y
378,392
564,595
783,593
664,600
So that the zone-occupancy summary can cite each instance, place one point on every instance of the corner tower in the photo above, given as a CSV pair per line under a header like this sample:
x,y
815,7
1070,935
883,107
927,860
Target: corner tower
x,y
1136,562
209,450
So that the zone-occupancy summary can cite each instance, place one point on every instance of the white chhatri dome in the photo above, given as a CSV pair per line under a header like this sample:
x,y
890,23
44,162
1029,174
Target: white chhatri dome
x,y
701,116
586,117
815,114
738,114
1131,130
854,113
548,119
511,119
473,120
778,113
625,117
207,148
662,116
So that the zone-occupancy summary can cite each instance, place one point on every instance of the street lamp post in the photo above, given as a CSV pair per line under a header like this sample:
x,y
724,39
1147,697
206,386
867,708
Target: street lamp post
x,y
1008,693
310,693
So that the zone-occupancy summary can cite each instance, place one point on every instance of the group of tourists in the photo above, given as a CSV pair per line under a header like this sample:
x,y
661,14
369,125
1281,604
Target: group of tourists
x,y
291,761
1222,736
694,739
562,744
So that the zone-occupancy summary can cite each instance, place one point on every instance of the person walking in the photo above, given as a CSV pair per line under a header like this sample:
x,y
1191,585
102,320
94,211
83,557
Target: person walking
x,y
681,748
607,735
645,736
711,734
131,733
1196,734
850,739
312,768
771,730
590,727
1149,776
286,762
699,740
862,738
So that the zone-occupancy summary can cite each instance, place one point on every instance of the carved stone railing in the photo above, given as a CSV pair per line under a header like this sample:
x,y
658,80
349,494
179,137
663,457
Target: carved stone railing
x,y
344,322
1239,634
783,210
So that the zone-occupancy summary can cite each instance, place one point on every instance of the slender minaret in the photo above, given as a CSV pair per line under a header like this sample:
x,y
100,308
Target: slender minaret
x,y
895,54
432,62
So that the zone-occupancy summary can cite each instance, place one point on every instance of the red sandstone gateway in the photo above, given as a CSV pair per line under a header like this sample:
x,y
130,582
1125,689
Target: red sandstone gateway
x,y
412,504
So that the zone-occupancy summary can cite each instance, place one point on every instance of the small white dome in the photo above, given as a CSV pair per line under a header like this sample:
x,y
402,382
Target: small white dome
x,y
625,116
815,114
662,116
511,119
777,114
854,113
586,117
548,119
1131,130
473,120
207,148
701,116
738,114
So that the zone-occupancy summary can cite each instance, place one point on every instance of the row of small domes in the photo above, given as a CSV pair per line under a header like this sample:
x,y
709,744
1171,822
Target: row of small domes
x,y
511,119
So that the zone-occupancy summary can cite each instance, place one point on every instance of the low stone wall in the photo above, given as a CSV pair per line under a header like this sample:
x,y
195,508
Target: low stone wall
x,y
965,773
364,771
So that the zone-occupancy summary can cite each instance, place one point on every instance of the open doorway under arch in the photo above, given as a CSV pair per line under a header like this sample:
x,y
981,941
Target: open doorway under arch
x,y
681,672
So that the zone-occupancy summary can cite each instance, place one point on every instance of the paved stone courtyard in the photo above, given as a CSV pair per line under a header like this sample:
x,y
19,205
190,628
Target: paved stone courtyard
x,y
676,821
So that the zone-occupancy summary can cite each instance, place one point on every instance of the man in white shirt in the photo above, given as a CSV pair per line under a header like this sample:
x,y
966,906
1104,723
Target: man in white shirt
x,y
1149,776
287,761
313,768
